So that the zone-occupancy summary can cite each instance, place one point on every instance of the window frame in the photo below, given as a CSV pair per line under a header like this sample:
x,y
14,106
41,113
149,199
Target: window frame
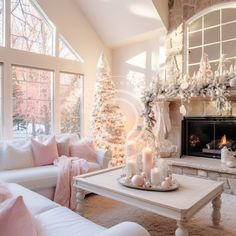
x,y
13,57
197,16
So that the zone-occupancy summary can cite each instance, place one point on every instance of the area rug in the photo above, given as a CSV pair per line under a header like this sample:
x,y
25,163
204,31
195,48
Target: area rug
x,y
107,213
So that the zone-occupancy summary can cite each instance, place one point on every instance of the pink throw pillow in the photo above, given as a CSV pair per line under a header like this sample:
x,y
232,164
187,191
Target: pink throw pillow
x,y
15,218
44,153
84,149
4,192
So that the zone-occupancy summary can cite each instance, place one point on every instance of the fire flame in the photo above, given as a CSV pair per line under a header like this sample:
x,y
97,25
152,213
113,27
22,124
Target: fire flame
x,y
223,141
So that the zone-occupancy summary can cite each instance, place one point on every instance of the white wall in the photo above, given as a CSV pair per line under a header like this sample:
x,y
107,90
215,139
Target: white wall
x,y
134,65
72,24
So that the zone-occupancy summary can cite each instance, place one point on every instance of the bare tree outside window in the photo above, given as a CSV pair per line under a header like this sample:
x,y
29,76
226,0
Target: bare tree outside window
x,y
1,22
30,31
32,101
70,94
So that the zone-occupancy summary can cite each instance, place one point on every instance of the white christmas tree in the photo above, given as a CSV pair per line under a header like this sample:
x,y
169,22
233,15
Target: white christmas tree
x,y
107,122
205,73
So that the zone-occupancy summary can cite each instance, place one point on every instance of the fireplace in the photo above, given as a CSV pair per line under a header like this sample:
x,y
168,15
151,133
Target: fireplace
x,y
206,136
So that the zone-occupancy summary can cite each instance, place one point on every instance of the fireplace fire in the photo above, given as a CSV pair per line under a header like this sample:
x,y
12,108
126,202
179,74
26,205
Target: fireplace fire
x,y
206,136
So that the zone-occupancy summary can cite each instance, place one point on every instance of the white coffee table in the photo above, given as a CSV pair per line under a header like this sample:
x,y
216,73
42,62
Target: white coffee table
x,y
181,204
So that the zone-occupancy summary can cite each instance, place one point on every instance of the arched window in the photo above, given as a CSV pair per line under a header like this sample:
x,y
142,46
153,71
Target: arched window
x,y
211,31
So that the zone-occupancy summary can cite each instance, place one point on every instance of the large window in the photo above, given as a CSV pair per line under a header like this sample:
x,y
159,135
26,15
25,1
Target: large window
x,y
213,33
30,31
35,96
71,102
32,101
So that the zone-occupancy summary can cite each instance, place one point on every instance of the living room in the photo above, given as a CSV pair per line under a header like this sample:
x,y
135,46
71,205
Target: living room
x,y
117,117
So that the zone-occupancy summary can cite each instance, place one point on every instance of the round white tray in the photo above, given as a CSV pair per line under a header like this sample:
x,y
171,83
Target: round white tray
x,y
158,188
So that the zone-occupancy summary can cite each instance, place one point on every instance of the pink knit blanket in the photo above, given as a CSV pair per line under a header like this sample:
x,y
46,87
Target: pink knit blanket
x,y
69,167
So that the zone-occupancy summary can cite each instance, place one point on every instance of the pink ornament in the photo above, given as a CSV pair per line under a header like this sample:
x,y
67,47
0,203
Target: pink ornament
x,y
137,180
147,185
165,184
169,180
144,174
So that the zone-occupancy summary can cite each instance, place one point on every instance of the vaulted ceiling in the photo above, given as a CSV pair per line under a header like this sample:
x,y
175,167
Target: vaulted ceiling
x,y
120,21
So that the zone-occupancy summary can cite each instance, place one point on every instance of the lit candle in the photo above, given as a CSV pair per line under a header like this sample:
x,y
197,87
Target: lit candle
x,y
155,176
147,160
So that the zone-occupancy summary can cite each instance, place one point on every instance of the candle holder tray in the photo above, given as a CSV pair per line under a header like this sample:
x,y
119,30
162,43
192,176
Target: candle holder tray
x,y
158,188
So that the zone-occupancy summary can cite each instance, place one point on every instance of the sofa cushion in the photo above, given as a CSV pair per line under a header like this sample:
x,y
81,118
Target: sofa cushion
x,y
33,178
62,221
84,149
36,203
44,152
15,154
15,218
64,141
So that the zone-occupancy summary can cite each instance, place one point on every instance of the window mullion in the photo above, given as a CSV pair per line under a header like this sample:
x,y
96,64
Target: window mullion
x,y
7,100
56,104
7,24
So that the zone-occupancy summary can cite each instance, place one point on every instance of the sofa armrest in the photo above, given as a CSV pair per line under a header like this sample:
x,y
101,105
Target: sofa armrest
x,y
125,228
103,157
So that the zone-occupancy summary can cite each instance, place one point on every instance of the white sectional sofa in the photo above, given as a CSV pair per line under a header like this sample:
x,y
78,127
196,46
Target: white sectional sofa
x,y
16,165
55,220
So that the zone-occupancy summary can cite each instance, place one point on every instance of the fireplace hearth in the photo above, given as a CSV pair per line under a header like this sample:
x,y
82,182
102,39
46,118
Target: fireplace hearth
x,y
206,136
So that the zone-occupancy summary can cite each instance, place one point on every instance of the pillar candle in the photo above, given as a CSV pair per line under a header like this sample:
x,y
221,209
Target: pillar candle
x,y
155,176
130,148
147,160
130,168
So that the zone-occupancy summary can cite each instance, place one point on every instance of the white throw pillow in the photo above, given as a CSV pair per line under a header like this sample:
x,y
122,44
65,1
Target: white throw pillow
x,y
15,154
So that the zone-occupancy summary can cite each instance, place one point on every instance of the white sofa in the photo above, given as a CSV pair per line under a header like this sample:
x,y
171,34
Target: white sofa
x,y
55,220
16,165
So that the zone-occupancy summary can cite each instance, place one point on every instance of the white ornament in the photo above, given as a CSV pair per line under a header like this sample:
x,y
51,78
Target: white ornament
x,y
165,184
232,82
184,85
182,110
137,180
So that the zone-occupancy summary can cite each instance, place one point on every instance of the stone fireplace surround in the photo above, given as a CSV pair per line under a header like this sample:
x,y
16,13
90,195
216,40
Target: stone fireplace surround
x,y
179,12
198,166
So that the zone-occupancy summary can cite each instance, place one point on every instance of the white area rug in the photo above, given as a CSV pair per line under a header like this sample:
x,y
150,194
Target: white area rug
x,y
107,213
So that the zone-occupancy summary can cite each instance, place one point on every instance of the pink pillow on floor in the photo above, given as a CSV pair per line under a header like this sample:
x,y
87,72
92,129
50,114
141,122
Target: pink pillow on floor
x,y
44,153
15,218
84,149
4,192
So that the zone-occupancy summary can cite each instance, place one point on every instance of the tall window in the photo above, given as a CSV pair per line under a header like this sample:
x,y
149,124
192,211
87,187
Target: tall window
x,y
32,101
214,34
71,102
30,31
